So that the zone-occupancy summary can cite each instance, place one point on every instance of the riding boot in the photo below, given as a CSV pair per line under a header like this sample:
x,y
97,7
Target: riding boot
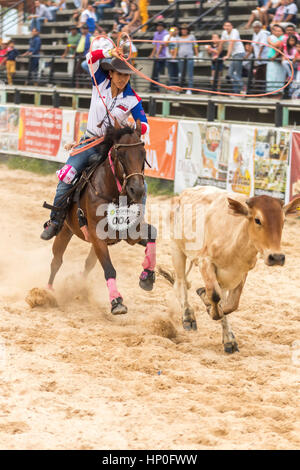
x,y
53,226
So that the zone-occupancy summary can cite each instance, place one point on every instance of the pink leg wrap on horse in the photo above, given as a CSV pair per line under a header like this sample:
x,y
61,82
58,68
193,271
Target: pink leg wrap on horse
x,y
150,258
112,289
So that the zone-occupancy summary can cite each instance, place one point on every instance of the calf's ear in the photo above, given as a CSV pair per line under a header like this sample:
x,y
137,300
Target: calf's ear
x,y
292,206
237,207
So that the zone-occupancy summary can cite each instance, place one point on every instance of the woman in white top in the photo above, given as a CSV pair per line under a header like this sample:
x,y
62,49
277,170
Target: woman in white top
x,y
186,52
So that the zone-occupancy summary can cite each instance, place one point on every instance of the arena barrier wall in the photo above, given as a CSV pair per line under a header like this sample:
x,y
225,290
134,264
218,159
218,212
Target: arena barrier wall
x,y
246,159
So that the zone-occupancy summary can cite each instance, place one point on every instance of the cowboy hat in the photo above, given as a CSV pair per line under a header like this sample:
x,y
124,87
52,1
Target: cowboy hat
x,y
117,65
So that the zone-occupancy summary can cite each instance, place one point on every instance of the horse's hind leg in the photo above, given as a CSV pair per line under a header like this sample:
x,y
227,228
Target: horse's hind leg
x,y
59,247
90,262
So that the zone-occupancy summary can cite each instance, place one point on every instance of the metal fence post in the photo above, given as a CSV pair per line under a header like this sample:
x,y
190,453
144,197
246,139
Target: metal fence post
x,y
152,106
55,99
250,78
278,114
211,111
17,97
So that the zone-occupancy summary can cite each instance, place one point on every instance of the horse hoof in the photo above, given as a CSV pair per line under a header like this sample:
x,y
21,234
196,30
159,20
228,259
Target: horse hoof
x,y
231,347
189,325
147,279
117,307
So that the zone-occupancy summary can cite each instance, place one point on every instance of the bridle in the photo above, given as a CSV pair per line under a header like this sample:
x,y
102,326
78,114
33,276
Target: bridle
x,y
115,147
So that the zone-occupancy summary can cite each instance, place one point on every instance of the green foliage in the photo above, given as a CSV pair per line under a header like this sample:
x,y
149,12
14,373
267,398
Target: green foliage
x,y
160,187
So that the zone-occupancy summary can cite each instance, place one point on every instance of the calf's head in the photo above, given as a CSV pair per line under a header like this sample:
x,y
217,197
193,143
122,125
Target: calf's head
x,y
266,217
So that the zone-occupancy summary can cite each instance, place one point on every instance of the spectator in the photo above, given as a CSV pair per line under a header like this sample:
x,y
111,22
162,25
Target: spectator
x,y
159,53
290,30
143,7
186,52
235,50
290,51
279,13
70,50
255,14
53,6
88,17
133,20
34,52
268,12
41,14
247,62
82,49
275,71
296,62
11,55
3,52
290,13
260,54
217,64
100,7
98,44
125,7
171,43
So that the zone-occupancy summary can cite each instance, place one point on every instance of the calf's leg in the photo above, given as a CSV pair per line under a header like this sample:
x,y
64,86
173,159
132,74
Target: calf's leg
x,y
180,287
212,294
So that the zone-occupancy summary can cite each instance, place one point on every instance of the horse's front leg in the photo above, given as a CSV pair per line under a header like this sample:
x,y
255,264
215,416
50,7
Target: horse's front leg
x,y
147,277
116,300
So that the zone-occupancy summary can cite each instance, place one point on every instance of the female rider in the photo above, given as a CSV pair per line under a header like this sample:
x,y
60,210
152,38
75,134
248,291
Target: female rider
x,y
113,83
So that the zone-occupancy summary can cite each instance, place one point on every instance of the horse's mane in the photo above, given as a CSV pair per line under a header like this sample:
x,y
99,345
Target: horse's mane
x,y
112,134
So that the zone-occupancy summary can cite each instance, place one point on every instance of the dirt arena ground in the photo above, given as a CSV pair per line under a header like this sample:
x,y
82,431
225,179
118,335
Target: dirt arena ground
x,y
75,377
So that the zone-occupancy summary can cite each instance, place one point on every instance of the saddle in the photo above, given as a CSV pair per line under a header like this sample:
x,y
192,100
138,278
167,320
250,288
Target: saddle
x,y
73,196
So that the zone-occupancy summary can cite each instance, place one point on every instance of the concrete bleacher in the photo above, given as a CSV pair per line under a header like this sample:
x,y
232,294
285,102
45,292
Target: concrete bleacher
x,y
54,34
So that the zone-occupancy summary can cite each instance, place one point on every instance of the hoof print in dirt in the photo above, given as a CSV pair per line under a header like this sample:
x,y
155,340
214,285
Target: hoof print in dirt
x,y
147,279
117,307
231,348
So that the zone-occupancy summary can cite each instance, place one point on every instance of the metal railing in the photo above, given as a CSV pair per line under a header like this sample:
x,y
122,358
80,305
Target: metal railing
x,y
20,16
172,14
52,71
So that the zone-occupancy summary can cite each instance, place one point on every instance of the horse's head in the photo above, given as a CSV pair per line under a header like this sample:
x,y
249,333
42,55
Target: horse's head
x,y
129,156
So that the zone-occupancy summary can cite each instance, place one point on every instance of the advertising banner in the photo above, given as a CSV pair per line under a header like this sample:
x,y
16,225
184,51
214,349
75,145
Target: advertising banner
x,y
9,129
40,131
240,177
80,124
160,145
271,161
188,158
295,166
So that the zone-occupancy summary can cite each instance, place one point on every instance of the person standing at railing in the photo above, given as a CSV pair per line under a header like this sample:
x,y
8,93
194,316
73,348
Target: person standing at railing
x,y
41,14
35,44
186,53
217,64
236,51
11,56
82,49
290,51
171,41
261,55
159,53
275,71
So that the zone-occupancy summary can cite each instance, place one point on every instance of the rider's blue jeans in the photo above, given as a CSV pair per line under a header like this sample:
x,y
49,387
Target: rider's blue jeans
x,y
79,162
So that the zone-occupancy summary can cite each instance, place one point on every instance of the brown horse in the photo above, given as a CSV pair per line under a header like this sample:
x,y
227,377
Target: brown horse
x,y
124,168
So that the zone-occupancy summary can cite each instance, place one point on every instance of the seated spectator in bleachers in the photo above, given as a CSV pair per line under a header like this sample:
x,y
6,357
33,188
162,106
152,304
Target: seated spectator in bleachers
x,y
88,17
120,19
40,16
53,6
186,53
261,54
134,19
35,44
289,13
290,51
275,70
256,14
125,7
279,14
100,7
268,11
171,43
11,56
70,50
217,64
